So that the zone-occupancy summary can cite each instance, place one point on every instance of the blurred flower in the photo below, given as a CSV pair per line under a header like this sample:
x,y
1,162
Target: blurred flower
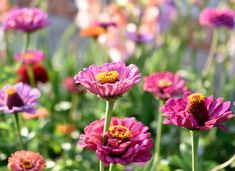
x,y
4,7
109,80
18,98
164,85
66,129
105,24
72,87
26,161
26,19
197,112
213,17
92,31
30,56
127,141
39,114
40,73
139,38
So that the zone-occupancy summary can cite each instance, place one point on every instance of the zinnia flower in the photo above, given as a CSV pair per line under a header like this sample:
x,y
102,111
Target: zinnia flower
x,y
213,17
127,141
18,98
25,20
139,38
164,85
65,129
197,112
40,73
72,87
39,114
105,24
30,56
26,161
109,80
92,31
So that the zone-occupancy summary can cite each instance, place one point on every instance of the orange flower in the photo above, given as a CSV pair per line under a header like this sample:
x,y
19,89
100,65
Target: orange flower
x,y
65,129
39,114
92,31
4,7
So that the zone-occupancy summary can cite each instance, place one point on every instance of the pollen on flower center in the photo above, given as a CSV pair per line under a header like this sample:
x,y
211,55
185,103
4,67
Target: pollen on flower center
x,y
11,90
163,83
26,164
196,98
120,132
108,77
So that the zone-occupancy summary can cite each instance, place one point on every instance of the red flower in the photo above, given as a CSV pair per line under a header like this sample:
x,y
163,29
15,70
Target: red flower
x,y
40,73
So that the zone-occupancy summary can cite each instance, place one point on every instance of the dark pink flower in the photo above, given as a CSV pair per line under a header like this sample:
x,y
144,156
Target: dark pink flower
x,y
164,85
30,56
197,112
25,19
109,80
127,141
26,161
213,17
72,87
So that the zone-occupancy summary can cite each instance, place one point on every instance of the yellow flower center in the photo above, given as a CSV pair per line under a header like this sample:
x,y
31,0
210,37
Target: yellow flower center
x,y
26,164
120,132
163,83
28,55
11,90
196,98
108,77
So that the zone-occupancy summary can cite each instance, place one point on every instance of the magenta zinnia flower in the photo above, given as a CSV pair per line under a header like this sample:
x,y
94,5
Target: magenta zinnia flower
x,y
30,56
18,98
25,19
127,141
72,87
164,85
213,17
197,112
109,80
26,161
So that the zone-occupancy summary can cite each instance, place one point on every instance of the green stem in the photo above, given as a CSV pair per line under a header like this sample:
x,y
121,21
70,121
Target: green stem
x,y
26,42
210,57
74,101
194,141
158,139
8,52
18,130
108,115
110,167
31,75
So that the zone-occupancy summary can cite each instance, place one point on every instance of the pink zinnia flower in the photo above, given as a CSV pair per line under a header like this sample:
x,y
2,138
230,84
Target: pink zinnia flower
x,y
213,17
164,85
26,161
197,112
30,56
72,87
127,141
109,80
18,98
25,19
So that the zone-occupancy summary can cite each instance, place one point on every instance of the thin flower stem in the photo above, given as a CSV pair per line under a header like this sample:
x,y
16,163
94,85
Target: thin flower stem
x,y
225,164
31,75
158,139
194,142
110,167
26,43
108,115
74,101
210,57
8,52
18,130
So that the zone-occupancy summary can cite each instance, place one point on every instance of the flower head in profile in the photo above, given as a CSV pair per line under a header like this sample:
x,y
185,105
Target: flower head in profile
x,y
26,161
140,38
213,17
197,112
18,98
105,24
72,87
110,80
25,20
30,56
127,141
164,85
92,31
39,71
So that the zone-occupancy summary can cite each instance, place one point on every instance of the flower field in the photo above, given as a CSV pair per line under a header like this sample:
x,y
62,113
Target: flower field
x,y
122,85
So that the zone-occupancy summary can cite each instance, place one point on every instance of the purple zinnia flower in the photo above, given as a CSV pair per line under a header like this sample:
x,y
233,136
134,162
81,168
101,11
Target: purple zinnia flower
x,y
164,85
139,37
197,112
109,80
213,17
18,98
105,24
127,141
25,19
